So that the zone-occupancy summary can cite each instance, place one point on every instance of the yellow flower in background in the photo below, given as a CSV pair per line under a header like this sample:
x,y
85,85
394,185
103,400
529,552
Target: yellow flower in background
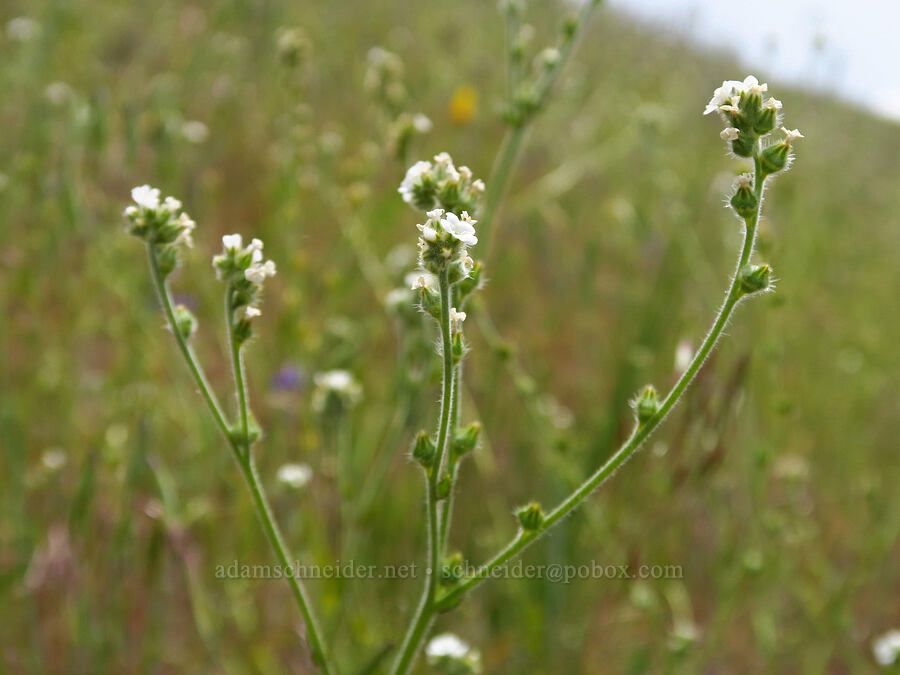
x,y
463,104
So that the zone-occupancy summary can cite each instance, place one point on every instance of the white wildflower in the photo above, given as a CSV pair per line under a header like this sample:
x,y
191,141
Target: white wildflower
x,y
413,175
443,159
171,204
339,383
729,134
791,134
772,104
456,319
257,273
886,648
251,312
146,197
232,242
460,228
58,93
294,475
417,280
752,87
745,180
722,95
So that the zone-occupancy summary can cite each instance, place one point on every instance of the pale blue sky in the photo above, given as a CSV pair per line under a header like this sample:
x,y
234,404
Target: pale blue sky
x,y
850,47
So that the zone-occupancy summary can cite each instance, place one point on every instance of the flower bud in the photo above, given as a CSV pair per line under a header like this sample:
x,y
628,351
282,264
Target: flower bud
x,y
168,259
185,322
755,278
451,569
645,404
774,158
744,201
443,486
458,347
465,440
423,449
531,516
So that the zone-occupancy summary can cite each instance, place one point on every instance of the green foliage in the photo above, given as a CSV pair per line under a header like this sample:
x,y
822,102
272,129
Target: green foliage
x,y
118,502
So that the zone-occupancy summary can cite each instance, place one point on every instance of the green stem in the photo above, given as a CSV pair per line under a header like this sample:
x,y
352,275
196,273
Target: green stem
x,y
425,612
515,134
264,511
638,436
190,358
244,459
237,362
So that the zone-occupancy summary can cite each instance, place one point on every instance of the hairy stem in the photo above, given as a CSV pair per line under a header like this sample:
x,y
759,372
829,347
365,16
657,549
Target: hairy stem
x,y
242,454
515,134
421,622
640,433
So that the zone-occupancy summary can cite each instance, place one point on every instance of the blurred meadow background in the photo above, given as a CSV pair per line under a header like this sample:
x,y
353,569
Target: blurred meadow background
x,y
773,486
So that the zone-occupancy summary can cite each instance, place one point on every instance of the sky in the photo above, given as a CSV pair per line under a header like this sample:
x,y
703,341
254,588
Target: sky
x,y
848,47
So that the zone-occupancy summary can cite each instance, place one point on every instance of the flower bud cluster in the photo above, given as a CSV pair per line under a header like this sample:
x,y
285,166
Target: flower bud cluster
x,y
750,118
243,268
160,222
444,242
439,184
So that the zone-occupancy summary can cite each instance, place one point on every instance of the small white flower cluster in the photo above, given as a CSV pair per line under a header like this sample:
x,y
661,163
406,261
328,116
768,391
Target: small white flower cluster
x,y
447,650
445,240
749,119
439,184
245,270
158,221
335,387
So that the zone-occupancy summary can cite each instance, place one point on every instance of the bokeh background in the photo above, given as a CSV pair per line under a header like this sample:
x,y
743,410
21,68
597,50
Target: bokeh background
x,y
773,486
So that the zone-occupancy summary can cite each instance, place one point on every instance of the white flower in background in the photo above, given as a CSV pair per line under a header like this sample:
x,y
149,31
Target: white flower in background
x,y
232,242
23,29
251,312
478,186
294,475
729,134
446,644
443,159
413,175
683,355
460,227
146,197
448,647
58,93
54,459
338,384
194,131
422,124
886,648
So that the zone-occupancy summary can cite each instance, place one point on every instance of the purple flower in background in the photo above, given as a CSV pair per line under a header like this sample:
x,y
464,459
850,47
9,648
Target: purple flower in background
x,y
289,378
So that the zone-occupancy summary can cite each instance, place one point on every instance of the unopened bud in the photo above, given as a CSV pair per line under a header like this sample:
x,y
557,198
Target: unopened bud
x,y
774,158
755,278
423,449
444,485
185,322
465,440
744,201
646,404
531,516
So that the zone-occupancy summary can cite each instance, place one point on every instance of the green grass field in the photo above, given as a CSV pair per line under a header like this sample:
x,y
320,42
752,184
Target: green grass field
x,y
773,486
